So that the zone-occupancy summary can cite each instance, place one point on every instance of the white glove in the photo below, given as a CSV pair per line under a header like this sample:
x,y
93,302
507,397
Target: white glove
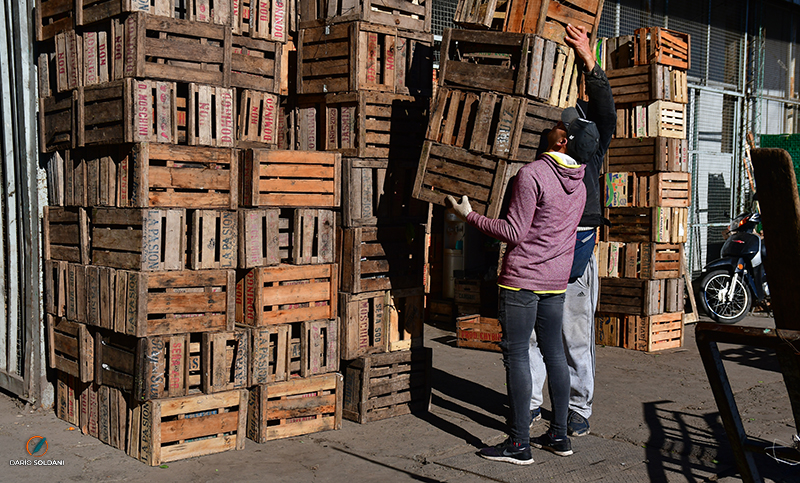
x,y
462,209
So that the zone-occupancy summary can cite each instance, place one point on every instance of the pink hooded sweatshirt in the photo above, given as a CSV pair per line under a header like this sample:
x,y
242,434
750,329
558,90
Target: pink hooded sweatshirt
x,y
546,206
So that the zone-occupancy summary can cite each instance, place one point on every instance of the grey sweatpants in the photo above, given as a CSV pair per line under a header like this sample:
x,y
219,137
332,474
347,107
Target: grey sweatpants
x,y
578,334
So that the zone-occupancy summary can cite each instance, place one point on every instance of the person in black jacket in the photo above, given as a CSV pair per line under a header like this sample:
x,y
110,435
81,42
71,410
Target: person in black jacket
x,y
582,291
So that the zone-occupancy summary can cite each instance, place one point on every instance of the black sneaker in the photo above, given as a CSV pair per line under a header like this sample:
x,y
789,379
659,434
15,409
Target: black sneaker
x,y
509,452
536,415
577,425
561,447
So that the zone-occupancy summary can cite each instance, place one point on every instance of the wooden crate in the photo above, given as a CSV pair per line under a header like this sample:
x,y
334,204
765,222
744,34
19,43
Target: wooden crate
x,y
161,366
447,170
139,239
659,189
476,332
363,324
270,354
320,347
467,291
61,63
96,174
657,45
660,224
631,296
620,189
186,427
670,224
177,50
648,83
201,11
291,178
653,260
268,20
258,64
358,56
299,236
616,52
405,14
362,124
161,175
70,394
57,122
607,329
539,119
381,386
378,191
674,295
654,333
213,238
404,314
210,116
667,119
381,258
224,361
258,119
70,347
295,407
490,61
55,287
648,154
286,293
52,17
553,73
65,234
440,310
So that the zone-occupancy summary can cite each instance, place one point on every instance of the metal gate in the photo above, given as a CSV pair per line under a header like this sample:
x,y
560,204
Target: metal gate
x,y
21,343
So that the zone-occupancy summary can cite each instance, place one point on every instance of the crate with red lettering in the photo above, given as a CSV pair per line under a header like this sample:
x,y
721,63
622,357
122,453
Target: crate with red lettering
x,y
224,360
631,296
380,386
161,365
362,124
413,15
653,333
57,122
101,411
200,11
65,234
403,315
378,191
448,170
477,332
648,83
139,239
647,154
210,116
213,238
286,293
268,20
60,63
190,426
363,323
295,407
70,347
299,236
69,392
381,258
356,56
491,61
657,45
258,64
258,119
291,178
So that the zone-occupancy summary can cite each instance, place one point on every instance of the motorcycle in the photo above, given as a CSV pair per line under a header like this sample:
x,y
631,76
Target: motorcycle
x,y
737,279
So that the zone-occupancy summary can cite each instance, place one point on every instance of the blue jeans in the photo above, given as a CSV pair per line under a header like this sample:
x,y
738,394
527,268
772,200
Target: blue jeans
x,y
520,313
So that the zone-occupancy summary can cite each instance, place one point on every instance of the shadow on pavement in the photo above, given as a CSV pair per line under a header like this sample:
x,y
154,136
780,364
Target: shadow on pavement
x,y
756,357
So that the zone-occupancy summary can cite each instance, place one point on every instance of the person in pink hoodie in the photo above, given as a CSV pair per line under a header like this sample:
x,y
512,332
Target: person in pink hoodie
x,y
540,228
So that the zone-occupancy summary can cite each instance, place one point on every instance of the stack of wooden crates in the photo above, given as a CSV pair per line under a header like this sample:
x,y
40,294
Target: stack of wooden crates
x,y
364,82
498,91
647,190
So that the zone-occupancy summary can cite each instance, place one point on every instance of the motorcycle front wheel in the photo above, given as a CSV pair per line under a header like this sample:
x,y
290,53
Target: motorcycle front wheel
x,y
716,301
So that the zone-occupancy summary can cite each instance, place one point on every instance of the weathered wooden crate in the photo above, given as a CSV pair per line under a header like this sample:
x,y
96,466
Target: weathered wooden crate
x,y
542,17
611,258
674,294
358,56
665,189
654,333
467,291
363,324
607,329
94,178
291,178
177,50
539,119
116,362
224,361
258,64
57,122
381,386
99,64
667,119
381,258
286,293
447,170
213,238
270,354
52,17
104,414
648,83
139,239
476,332
657,45
653,260
620,189
164,175
405,14
186,427
490,61
268,20
61,63
321,347
615,53
272,236
553,73
631,296
660,224
404,315
160,366
363,124
440,310
65,234
211,116
69,392
258,119
70,347
647,154
295,407
56,290
201,11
